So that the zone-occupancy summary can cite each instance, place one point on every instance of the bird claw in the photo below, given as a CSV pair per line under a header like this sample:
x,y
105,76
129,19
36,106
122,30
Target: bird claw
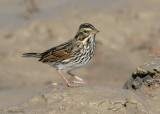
x,y
73,85
79,82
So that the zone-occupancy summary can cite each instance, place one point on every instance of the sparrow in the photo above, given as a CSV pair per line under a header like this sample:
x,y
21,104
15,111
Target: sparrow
x,y
71,54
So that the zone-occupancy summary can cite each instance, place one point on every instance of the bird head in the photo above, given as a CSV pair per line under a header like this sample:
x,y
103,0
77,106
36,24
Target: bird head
x,y
85,30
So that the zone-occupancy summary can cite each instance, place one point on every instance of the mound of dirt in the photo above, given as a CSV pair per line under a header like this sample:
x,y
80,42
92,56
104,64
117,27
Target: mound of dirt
x,y
61,99
84,100
147,77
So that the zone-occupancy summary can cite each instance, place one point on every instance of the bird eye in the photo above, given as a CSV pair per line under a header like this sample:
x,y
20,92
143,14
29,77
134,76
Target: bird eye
x,y
85,31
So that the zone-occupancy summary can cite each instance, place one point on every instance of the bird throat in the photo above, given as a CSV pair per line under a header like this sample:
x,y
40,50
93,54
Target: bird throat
x,y
88,39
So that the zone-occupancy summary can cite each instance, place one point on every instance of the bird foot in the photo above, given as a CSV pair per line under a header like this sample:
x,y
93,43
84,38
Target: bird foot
x,y
73,85
79,82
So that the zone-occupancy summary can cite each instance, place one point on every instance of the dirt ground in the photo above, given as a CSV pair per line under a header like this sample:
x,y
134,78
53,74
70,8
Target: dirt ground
x,y
129,37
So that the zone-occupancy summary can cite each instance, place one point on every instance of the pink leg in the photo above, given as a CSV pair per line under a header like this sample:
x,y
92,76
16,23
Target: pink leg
x,y
80,81
68,84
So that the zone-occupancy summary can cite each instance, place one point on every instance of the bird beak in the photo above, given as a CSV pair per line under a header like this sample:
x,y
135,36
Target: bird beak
x,y
95,31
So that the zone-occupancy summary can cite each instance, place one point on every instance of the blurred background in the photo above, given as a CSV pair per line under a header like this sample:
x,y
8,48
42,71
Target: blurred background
x,y
129,34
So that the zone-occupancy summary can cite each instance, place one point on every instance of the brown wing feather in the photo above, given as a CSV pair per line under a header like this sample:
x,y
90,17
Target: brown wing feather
x,y
60,52
56,55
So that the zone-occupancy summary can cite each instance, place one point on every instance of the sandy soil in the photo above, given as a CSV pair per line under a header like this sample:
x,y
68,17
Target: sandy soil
x,y
129,33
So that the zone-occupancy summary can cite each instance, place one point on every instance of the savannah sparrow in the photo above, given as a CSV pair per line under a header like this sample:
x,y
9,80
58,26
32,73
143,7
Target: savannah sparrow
x,y
71,54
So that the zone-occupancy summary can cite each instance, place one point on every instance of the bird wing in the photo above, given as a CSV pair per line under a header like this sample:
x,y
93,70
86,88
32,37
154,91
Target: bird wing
x,y
60,52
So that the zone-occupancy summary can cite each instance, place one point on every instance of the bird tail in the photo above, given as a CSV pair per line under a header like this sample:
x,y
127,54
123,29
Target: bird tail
x,y
36,55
